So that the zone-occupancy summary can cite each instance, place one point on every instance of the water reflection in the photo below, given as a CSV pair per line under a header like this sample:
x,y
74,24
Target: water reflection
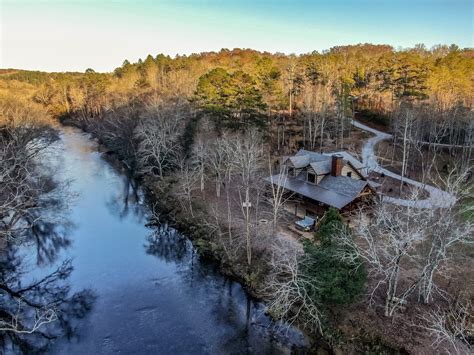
x,y
127,200
167,244
34,311
48,239
243,325
37,304
152,293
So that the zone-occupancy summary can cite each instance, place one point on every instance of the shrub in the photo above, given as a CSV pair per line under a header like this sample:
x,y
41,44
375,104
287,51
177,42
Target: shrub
x,y
333,281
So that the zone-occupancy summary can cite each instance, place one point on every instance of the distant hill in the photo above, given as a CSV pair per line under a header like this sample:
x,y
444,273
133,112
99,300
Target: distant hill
x,y
34,77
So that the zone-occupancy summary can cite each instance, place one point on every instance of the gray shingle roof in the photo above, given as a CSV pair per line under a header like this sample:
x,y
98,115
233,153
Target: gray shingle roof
x,y
349,158
313,156
343,185
335,191
322,167
331,193
321,163
299,161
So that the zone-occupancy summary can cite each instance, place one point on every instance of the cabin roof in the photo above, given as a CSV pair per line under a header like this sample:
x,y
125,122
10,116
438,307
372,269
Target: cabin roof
x,y
349,158
322,167
321,163
343,185
334,191
299,161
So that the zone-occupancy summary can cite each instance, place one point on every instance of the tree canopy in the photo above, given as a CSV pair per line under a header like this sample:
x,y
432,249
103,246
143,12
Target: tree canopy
x,y
231,99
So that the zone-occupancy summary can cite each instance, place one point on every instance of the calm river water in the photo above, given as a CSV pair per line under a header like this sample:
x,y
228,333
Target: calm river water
x,y
154,296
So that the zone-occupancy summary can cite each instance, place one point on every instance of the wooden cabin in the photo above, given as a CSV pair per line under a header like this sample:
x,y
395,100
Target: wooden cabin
x,y
319,181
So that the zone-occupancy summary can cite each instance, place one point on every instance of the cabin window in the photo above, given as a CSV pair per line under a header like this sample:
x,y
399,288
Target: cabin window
x,y
312,178
291,172
349,173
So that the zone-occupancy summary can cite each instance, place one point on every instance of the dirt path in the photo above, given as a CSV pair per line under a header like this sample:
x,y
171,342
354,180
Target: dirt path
x,y
437,197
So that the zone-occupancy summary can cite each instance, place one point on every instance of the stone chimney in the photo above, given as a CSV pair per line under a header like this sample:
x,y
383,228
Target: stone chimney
x,y
336,166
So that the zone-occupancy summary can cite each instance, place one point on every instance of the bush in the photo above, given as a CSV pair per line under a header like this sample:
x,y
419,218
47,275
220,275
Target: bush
x,y
332,220
333,281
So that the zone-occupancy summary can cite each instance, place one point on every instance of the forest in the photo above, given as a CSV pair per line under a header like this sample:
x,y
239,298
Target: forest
x,y
201,132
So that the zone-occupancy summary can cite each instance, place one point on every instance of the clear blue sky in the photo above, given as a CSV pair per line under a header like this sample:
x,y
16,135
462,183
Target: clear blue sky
x,y
60,35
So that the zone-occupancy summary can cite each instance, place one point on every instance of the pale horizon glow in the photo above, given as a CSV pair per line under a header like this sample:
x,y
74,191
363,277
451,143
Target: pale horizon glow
x,y
54,35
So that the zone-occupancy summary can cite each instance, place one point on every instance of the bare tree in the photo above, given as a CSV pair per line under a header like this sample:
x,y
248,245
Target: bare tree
x,y
406,248
315,110
447,228
218,161
200,159
287,287
219,232
24,137
115,129
387,245
407,125
158,135
188,177
33,313
31,202
291,83
15,324
247,156
449,327
278,195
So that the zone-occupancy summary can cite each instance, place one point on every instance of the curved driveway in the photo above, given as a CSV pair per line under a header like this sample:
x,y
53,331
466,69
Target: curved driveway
x,y
437,197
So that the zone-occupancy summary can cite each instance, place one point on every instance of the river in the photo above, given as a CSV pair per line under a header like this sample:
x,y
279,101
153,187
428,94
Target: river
x,y
153,294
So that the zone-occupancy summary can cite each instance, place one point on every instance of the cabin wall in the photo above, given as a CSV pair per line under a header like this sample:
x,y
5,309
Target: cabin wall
x,y
296,208
347,168
293,171
305,207
298,171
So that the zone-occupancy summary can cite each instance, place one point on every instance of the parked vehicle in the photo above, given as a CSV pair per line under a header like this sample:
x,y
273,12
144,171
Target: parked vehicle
x,y
306,224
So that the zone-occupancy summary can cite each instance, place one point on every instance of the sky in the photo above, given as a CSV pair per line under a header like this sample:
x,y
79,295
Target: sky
x,y
73,35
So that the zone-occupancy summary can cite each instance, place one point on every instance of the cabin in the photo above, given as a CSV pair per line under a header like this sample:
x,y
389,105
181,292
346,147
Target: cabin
x,y
319,181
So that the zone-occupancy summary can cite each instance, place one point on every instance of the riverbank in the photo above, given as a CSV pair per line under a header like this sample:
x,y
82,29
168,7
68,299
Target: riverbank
x,y
167,210
345,336
150,276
